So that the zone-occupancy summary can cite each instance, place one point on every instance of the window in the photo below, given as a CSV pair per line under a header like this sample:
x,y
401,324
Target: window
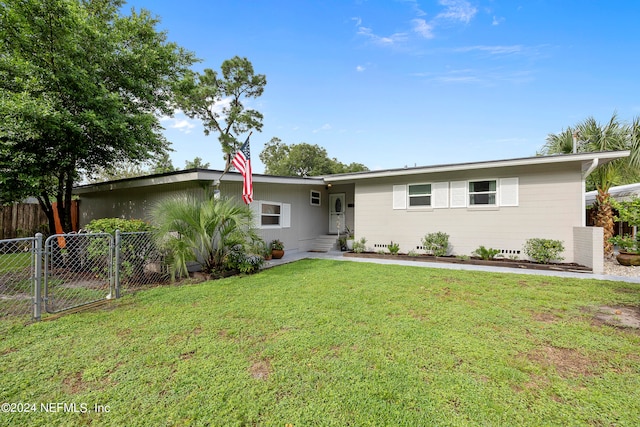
x,y
419,195
269,214
482,193
315,198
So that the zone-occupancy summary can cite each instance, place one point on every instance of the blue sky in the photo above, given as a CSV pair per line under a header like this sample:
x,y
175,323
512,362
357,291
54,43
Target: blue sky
x,y
406,82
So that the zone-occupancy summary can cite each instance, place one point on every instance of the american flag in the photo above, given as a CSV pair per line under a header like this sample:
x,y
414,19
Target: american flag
x,y
242,163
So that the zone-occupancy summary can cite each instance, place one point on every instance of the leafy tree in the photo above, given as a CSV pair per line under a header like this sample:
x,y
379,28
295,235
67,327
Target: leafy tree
x,y
206,230
81,88
302,160
196,164
593,137
162,164
217,100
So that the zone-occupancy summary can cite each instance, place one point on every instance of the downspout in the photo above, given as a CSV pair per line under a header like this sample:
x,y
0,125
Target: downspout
x,y
585,174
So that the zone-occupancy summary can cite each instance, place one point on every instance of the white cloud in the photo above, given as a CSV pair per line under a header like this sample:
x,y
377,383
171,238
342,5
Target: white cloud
x,y
457,10
217,108
183,125
382,40
497,21
421,27
360,68
493,50
323,128
179,121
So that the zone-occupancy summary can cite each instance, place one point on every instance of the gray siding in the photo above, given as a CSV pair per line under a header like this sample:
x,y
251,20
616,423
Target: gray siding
x,y
549,206
307,222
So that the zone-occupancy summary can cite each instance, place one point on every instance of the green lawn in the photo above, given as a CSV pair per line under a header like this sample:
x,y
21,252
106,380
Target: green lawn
x,y
15,262
322,342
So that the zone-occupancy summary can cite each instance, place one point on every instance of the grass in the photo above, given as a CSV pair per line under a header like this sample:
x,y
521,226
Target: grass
x,y
323,342
15,262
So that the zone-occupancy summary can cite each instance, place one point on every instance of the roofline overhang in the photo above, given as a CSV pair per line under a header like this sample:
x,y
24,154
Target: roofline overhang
x,y
585,159
192,175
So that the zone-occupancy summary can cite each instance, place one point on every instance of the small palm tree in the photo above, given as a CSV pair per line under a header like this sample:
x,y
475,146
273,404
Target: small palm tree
x,y
593,137
203,230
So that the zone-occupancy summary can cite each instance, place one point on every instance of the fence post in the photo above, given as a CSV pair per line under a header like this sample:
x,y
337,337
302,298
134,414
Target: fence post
x,y
37,277
116,266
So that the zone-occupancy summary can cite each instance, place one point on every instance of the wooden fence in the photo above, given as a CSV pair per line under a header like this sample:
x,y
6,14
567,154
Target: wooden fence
x,y
22,220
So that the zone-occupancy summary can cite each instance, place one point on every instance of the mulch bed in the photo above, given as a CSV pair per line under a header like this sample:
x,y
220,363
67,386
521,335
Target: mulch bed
x,y
505,262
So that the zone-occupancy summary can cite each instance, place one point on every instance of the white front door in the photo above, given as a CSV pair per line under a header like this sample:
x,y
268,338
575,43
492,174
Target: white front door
x,y
337,208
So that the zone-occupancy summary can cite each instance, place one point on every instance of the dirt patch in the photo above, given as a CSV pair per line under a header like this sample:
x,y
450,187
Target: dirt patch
x,y
188,355
260,370
74,384
567,362
545,317
619,316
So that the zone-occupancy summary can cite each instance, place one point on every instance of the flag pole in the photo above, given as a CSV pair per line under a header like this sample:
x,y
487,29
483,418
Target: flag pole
x,y
216,183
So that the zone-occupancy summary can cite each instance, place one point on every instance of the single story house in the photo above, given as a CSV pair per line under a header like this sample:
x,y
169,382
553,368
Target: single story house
x,y
498,204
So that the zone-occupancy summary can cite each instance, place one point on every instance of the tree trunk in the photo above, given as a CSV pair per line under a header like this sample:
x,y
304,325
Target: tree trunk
x,y
45,205
604,219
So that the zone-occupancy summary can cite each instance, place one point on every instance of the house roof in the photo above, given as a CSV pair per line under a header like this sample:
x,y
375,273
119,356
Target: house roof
x,y
586,159
190,175
621,193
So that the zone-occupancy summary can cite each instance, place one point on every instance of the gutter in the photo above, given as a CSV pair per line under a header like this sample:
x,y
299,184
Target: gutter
x,y
594,164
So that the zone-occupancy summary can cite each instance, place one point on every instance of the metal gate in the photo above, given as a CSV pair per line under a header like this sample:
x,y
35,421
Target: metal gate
x,y
78,270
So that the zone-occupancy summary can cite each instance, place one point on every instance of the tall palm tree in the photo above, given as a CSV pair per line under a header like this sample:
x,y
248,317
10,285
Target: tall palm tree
x,y
591,136
204,230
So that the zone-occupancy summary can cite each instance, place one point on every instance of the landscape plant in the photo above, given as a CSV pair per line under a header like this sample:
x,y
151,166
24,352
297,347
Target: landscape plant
x,y
360,246
544,250
203,230
393,248
133,255
486,253
436,244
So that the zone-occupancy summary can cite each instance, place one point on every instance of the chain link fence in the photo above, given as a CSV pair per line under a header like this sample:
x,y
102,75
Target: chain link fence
x,y
71,270
17,279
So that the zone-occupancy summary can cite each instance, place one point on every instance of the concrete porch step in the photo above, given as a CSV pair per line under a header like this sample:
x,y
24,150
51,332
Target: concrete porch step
x,y
324,243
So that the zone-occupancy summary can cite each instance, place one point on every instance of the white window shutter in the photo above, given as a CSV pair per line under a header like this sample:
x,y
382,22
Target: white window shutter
x,y
286,215
399,197
255,209
440,194
459,194
508,192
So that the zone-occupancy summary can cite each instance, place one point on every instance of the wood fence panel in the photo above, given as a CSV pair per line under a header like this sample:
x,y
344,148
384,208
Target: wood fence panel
x,y
22,220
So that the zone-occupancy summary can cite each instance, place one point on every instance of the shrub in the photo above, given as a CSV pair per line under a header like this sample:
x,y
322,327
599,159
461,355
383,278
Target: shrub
x,y
203,230
436,243
394,248
132,256
413,253
544,250
360,246
486,253
239,259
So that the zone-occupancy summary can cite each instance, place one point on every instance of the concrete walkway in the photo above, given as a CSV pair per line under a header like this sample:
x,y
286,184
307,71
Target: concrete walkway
x,y
338,256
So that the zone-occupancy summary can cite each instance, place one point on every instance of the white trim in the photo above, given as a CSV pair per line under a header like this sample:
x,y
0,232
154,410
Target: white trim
x,y
430,194
603,157
458,194
440,195
284,217
311,198
495,192
508,190
400,197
